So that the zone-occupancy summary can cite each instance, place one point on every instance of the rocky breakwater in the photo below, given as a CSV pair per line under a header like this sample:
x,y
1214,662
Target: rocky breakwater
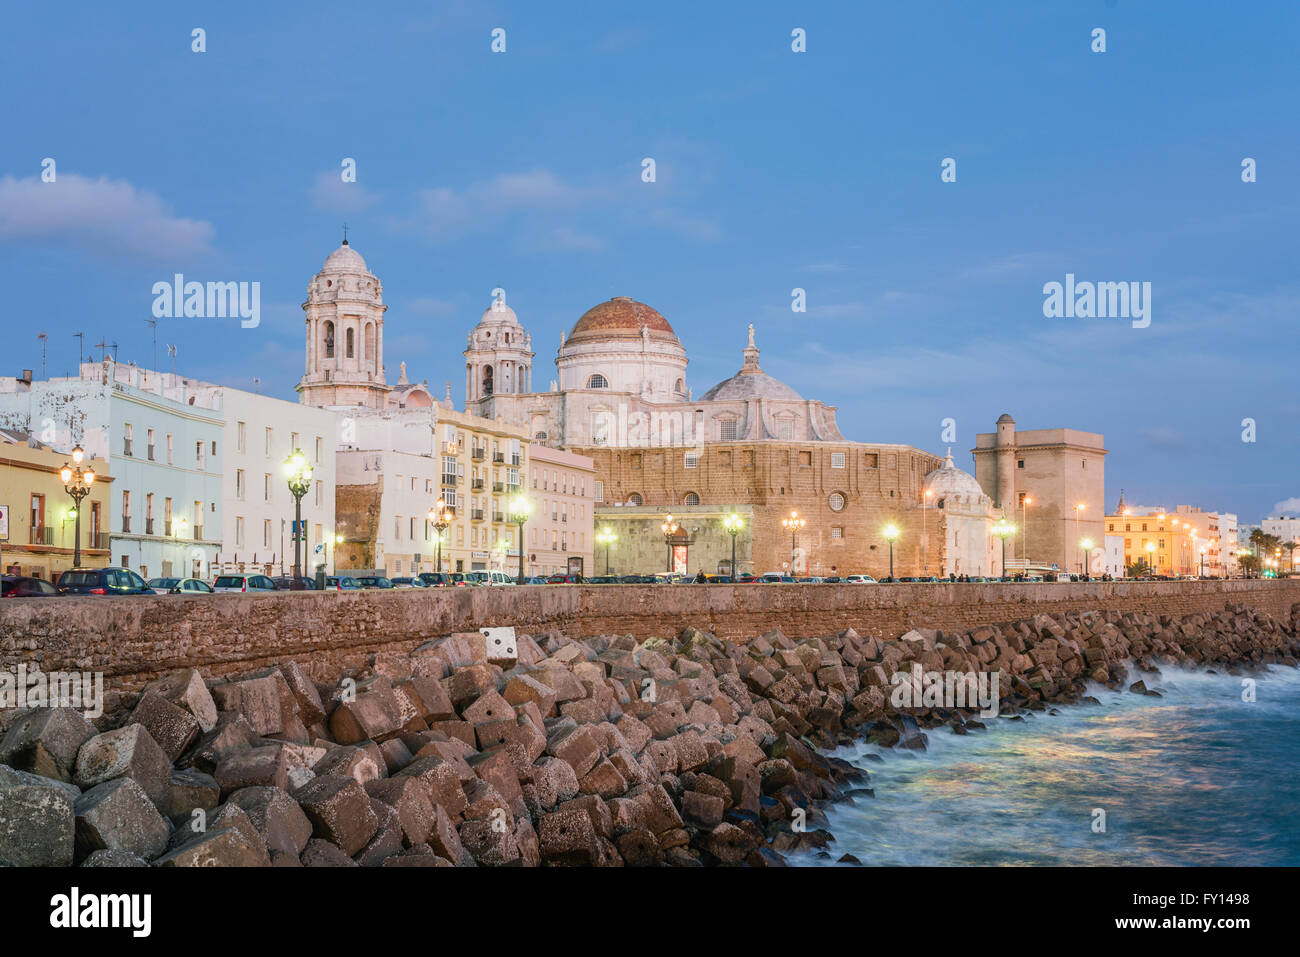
x,y
488,749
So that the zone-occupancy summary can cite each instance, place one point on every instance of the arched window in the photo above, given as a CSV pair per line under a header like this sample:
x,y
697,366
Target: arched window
x,y
597,381
680,386
635,499
539,437
487,380
329,339
351,344
690,498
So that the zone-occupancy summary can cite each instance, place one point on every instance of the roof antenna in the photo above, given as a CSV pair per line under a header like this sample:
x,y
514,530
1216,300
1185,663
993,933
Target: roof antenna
x,y
345,234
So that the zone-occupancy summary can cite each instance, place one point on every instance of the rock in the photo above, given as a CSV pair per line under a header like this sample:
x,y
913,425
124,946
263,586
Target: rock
x,y
129,752
190,789
105,857
37,825
119,815
45,741
321,853
703,809
411,799
339,811
310,708
266,766
185,689
257,699
172,727
567,837
280,822
227,847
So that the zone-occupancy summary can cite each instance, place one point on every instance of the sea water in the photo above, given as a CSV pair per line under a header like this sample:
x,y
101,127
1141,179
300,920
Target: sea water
x,y
1200,776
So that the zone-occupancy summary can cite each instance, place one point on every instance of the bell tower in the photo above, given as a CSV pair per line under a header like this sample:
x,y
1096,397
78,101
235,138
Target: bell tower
x,y
345,335
498,357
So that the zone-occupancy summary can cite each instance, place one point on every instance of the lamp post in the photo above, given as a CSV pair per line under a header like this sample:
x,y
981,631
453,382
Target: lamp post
x,y
77,482
733,523
792,524
925,507
1203,550
1151,551
1079,507
520,509
297,471
440,518
669,528
1086,545
607,538
890,532
1002,530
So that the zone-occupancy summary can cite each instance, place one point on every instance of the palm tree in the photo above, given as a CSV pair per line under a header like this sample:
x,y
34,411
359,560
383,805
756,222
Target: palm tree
x,y
1138,569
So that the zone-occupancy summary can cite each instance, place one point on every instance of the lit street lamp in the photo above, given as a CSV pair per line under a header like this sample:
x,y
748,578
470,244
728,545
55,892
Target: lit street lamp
x,y
1086,545
297,471
890,532
440,518
669,528
1151,550
77,482
520,509
792,524
733,523
925,560
1002,530
607,538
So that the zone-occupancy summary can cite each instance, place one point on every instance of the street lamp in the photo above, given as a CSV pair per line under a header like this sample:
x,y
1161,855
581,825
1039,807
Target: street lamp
x,y
440,518
1086,545
1077,509
520,509
669,528
607,538
297,471
1203,550
77,482
733,523
890,532
1002,530
792,524
1151,550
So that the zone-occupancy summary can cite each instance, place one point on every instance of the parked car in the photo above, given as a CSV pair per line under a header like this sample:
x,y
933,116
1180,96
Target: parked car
x,y
860,579
162,586
404,582
191,586
489,578
374,581
243,583
102,581
289,583
535,580
603,580
22,586
343,583
443,579
776,577
718,579
745,579
563,579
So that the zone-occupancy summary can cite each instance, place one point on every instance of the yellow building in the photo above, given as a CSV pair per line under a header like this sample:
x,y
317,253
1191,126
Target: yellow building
x,y
42,519
483,467
1172,543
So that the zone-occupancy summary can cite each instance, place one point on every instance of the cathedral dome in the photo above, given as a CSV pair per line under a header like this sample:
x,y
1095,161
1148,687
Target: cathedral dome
x,y
620,317
751,382
951,480
344,259
499,312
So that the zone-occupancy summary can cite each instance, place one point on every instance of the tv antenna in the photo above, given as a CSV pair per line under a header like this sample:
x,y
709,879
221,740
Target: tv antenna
x,y
42,336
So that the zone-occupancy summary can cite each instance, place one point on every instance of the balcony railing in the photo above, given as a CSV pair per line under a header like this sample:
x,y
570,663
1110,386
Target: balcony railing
x,y
498,516
476,515
499,458
98,540
449,480
40,535
479,454
498,486
479,483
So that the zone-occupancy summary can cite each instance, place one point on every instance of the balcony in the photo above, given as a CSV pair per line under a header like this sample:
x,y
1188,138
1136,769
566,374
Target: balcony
x,y
149,452
478,485
479,454
499,458
450,480
476,515
148,527
498,486
98,541
126,446
40,535
498,516
126,524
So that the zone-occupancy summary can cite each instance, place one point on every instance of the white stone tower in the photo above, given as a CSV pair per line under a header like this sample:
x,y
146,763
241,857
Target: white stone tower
x,y
498,357
345,335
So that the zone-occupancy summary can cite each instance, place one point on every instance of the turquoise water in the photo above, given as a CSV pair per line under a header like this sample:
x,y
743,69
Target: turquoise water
x,y
1198,777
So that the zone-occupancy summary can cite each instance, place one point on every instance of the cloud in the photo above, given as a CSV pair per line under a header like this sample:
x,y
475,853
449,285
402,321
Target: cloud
x,y
1164,437
692,227
444,211
566,237
426,307
331,194
1288,506
102,216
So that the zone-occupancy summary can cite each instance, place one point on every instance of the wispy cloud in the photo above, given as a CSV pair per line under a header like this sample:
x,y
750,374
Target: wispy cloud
x,y
1288,506
331,194
108,217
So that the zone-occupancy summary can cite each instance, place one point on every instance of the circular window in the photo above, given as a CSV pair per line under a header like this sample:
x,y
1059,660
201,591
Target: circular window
x,y
837,502
690,498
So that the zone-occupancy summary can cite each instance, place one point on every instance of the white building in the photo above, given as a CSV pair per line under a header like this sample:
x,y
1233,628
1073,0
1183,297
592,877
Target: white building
x,y
1112,563
967,517
560,536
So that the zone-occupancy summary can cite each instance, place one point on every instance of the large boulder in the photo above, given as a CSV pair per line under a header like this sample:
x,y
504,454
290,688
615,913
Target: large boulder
x,y
127,752
45,741
36,822
339,810
119,815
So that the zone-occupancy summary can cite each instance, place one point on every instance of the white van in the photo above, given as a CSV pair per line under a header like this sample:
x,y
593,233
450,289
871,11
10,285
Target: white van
x,y
489,578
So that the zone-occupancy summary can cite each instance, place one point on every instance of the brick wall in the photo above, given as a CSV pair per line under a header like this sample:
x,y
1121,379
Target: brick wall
x,y
133,640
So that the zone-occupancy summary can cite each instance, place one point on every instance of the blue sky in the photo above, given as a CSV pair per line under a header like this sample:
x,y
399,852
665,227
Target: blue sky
x,y
775,170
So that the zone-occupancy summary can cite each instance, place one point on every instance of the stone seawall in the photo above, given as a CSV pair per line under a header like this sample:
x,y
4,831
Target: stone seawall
x,y
134,640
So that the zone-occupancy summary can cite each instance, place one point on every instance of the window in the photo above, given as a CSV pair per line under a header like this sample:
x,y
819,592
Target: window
x,y
837,532
871,460
690,498
805,459
266,533
635,499
636,460
1020,463
268,441
785,429
329,339
350,338
266,486
597,381
319,446
837,502
692,459
727,430
126,439
239,484
240,436
599,488
149,450
837,460
170,448
239,531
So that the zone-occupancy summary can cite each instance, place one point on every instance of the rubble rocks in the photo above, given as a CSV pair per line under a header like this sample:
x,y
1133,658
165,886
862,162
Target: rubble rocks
x,y
497,750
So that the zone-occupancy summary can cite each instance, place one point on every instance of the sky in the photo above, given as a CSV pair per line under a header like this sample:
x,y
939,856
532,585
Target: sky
x,y
775,170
